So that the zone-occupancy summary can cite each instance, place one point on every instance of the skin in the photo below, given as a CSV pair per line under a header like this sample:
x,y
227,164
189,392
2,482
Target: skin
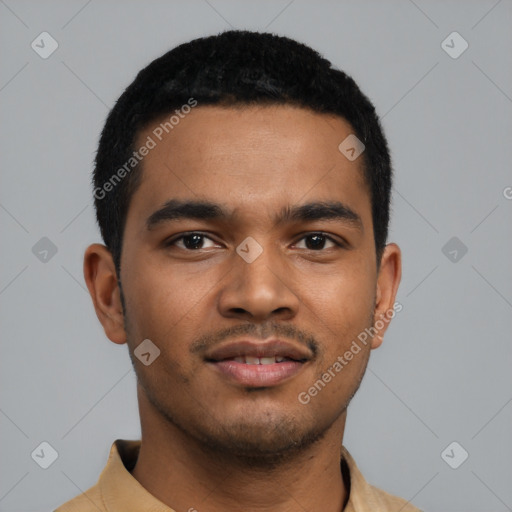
x,y
209,443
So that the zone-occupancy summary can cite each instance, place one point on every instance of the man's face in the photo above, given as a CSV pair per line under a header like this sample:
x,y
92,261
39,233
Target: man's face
x,y
194,286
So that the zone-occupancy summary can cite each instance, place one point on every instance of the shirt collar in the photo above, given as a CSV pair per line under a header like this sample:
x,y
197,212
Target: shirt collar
x,y
124,453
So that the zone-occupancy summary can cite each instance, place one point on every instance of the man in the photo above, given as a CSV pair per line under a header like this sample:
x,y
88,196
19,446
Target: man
x,y
242,189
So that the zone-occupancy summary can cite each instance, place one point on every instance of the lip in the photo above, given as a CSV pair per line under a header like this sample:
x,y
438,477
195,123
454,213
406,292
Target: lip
x,y
259,375
254,348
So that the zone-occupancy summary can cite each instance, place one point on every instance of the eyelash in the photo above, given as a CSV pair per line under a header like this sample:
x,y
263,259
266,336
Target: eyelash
x,y
171,242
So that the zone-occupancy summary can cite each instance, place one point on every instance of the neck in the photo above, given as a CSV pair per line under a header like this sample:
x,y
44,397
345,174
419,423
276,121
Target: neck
x,y
182,474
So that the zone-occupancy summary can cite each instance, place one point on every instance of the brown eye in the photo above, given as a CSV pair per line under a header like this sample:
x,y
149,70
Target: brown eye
x,y
192,242
317,242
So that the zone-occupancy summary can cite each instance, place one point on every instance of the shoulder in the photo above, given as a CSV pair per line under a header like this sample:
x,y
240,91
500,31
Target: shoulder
x,y
378,499
88,501
365,497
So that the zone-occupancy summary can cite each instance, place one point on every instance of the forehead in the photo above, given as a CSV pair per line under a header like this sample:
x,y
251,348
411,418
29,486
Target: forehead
x,y
257,159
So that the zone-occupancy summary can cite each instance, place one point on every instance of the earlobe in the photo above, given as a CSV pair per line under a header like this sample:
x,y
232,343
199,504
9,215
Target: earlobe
x,y
101,279
388,280
377,341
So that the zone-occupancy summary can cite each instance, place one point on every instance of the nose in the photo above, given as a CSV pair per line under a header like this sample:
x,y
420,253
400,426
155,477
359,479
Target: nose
x,y
258,291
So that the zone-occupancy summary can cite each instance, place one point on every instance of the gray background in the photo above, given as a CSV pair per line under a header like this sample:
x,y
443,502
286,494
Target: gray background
x,y
443,373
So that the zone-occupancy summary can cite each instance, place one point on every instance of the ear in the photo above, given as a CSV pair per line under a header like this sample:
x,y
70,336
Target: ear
x,y
101,279
388,280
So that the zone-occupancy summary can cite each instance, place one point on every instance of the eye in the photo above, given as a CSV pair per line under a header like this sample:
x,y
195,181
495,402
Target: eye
x,y
192,242
317,242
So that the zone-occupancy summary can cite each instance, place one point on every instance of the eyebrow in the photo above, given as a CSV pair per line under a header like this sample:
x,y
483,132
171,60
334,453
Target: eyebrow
x,y
176,209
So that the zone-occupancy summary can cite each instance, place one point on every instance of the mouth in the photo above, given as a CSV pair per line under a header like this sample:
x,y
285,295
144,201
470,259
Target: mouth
x,y
259,364
260,360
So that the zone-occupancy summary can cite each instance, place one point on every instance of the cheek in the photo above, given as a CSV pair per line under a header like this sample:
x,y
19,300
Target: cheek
x,y
164,295
346,357
342,303
171,308
344,353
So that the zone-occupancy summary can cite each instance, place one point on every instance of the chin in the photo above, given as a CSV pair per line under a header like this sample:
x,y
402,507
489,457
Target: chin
x,y
260,435
260,443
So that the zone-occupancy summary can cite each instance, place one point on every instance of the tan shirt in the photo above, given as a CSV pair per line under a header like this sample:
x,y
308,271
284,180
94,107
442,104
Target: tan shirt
x,y
118,491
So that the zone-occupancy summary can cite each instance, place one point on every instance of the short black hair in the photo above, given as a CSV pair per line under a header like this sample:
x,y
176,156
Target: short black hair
x,y
233,68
